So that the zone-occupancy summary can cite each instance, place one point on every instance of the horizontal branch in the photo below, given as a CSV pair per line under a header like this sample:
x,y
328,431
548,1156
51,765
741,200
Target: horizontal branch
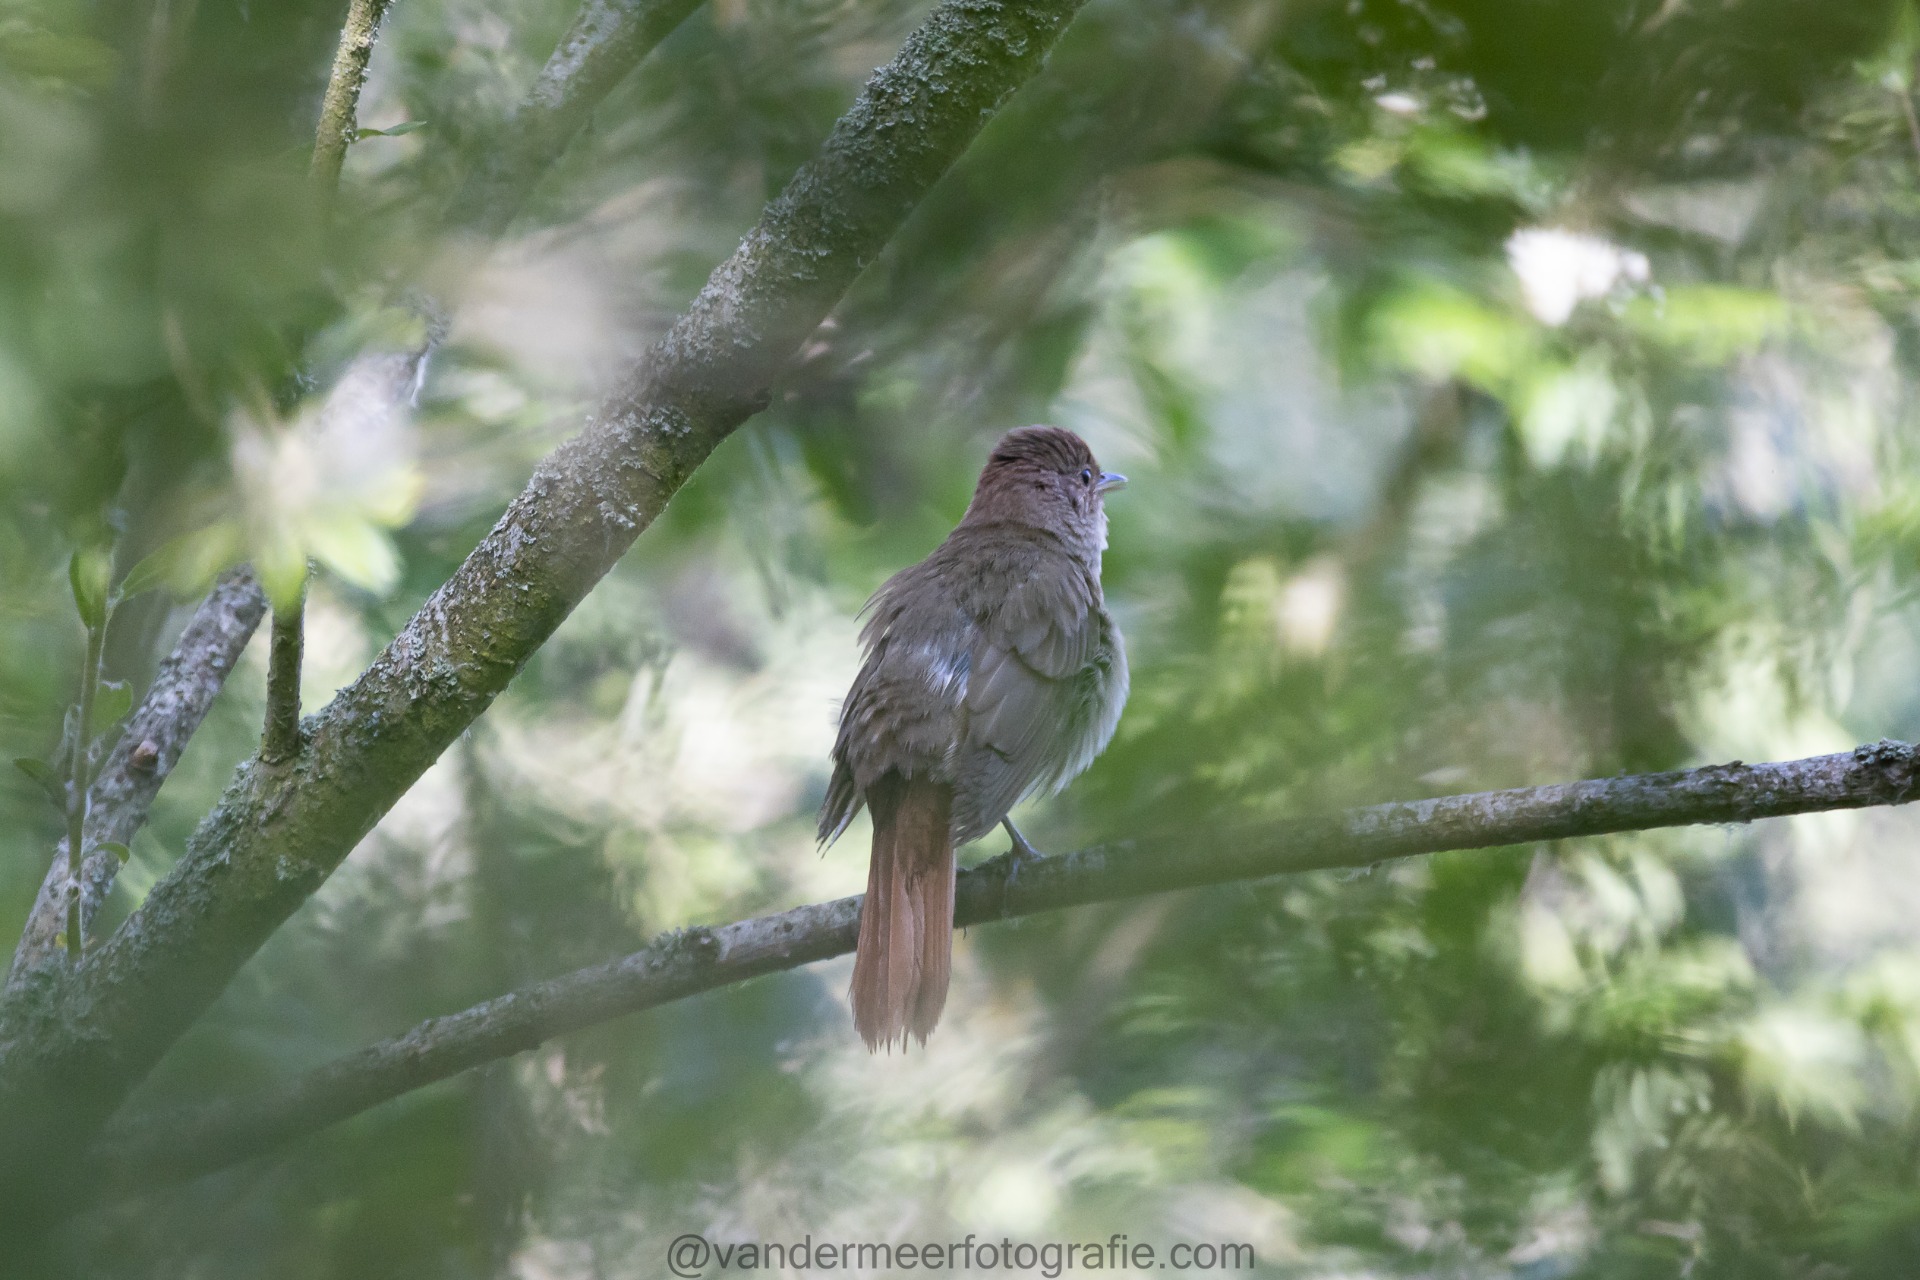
x,y
138,1152
72,1046
176,702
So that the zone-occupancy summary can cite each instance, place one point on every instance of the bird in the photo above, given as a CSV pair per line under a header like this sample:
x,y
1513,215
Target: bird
x,y
991,672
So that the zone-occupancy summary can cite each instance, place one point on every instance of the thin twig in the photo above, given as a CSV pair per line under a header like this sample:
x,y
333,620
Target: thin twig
x,y
608,39
138,1152
157,732
280,740
337,108
80,784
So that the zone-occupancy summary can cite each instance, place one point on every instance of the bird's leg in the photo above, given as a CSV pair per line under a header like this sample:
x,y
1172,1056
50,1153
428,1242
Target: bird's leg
x,y
1017,857
1022,851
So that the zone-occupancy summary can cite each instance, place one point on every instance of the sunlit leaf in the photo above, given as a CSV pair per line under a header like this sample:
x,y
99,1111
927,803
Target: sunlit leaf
x,y
1808,1062
281,566
1566,408
356,549
1709,324
1442,332
187,565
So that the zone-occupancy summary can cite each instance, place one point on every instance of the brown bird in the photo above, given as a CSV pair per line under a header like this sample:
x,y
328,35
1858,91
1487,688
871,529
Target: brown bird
x,y
992,672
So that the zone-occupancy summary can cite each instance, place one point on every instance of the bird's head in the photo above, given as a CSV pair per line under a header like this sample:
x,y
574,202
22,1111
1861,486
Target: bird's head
x,y
1045,477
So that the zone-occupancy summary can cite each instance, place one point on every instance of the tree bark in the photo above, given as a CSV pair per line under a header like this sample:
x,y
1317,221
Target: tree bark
x,y
199,1140
334,133
72,1043
157,732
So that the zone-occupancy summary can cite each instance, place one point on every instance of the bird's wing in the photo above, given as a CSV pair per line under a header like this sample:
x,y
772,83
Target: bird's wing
x,y
902,712
1034,648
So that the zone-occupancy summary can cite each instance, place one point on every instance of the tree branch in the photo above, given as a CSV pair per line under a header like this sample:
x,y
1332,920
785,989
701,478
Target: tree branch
x,y
280,740
138,1152
335,131
71,1046
157,732
607,40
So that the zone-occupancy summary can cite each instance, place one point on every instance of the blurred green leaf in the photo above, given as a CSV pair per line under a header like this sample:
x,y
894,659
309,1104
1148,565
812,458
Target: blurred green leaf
x,y
282,566
88,574
399,130
1709,324
37,53
1808,1062
356,549
186,566
1440,331
47,776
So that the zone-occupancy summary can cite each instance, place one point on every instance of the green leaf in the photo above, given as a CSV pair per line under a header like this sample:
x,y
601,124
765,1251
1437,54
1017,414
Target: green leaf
x,y
74,60
187,565
399,130
282,568
110,705
115,848
88,573
356,550
46,775
1440,331
1709,324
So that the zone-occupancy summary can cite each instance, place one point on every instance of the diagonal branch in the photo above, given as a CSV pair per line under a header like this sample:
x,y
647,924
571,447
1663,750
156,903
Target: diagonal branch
x,y
199,1140
71,1046
608,39
177,701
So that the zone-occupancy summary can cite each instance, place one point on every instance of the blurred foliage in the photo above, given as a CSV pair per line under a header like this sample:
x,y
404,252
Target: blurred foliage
x,y
1513,390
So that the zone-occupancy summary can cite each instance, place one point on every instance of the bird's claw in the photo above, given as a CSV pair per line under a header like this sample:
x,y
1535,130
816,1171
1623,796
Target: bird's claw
x,y
1018,856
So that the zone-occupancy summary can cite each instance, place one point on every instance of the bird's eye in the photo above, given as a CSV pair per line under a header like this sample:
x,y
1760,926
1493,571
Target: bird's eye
x,y
1086,475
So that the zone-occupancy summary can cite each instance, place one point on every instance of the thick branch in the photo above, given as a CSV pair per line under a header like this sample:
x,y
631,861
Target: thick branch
x,y
157,732
335,131
199,1140
607,40
71,1046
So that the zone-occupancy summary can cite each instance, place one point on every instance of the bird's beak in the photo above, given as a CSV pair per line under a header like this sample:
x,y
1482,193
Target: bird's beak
x,y
1110,480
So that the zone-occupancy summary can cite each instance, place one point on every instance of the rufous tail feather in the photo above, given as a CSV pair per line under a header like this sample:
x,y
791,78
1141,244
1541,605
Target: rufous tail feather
x,y
901,967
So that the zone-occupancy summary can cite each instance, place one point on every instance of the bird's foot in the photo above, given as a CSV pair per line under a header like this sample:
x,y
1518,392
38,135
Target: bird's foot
x,y
1022,852
1018,857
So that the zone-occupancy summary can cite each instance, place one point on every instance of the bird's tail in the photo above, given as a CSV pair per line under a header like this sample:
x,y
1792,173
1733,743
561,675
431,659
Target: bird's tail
x,y
906,922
